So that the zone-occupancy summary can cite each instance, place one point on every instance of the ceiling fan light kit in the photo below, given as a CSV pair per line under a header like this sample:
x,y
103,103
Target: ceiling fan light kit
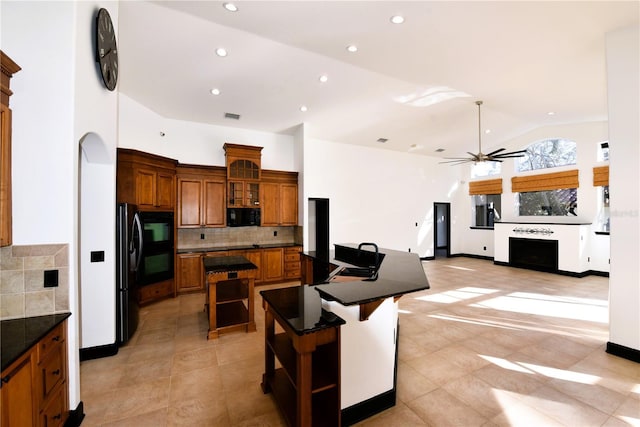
x,y
494,156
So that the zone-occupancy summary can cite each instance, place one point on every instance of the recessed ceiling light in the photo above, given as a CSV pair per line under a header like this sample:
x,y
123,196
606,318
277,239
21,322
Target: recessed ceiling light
x,y
230,7
551,113
303,108
487,131
397,19
352,48
215,91
323,78
222,52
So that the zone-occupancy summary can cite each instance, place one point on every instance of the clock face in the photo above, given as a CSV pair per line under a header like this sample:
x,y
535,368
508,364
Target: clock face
x,y
107,51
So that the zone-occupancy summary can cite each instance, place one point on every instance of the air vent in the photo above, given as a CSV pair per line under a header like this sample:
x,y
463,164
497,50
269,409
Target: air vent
x,y
439,150
232,116
383,140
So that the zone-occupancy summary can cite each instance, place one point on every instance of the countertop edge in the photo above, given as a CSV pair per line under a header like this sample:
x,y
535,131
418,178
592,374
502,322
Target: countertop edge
x,y
56,320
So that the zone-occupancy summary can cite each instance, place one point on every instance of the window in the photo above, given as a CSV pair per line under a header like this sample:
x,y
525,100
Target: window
x,y
604,216
485,209
548,153
562,202
485,169
603,152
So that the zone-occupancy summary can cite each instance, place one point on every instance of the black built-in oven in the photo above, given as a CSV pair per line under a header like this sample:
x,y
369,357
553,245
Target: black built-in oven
x,y
156,241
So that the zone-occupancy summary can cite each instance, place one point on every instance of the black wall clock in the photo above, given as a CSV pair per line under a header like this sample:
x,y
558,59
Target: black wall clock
x,y
106,49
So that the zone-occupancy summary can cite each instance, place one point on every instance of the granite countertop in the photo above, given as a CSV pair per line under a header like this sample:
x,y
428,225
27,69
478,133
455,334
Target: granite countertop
x,y
234,248
301,308
221,264
399,273
19,335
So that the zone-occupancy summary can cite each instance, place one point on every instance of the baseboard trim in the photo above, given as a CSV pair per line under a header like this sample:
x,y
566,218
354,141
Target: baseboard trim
x,y
75,416
560,272
368,408
98,352
485,257
623,351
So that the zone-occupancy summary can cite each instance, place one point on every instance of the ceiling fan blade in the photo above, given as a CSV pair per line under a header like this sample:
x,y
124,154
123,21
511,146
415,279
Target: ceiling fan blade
x,y
508,156
510,153
496,151
458,161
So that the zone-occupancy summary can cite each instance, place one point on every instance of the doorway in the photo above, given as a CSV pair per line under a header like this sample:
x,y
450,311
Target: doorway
x,y
441,230
319,227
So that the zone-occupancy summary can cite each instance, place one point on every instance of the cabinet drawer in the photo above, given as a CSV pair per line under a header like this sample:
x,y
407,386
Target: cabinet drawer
x,y
291,257
293,249
53,371
54,414
156,291
53,339
292,266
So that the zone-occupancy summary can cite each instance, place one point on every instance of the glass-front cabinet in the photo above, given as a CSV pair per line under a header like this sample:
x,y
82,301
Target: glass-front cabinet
x,y
243,194
243,175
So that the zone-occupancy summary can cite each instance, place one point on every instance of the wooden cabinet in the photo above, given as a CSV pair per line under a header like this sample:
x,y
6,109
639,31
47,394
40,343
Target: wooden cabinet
x,y
34,388
201,197
230,302
156,291
9,68
17,405
272,265
243,175
279,198
292,262
306,386
189,273
145,180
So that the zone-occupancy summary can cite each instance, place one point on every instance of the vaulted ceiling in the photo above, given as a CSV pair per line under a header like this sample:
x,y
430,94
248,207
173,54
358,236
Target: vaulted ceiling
x,y
414,84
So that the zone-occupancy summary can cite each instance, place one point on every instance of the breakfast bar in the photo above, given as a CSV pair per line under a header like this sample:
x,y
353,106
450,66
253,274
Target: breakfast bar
x,y
341,331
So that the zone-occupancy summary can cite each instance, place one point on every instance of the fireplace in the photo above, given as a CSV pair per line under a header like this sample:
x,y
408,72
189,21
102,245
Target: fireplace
x,y
535,254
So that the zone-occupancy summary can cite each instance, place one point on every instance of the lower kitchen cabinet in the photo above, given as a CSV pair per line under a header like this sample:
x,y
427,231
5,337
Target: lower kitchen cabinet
x,y
156,291
272,265
292,262
34,388
190,273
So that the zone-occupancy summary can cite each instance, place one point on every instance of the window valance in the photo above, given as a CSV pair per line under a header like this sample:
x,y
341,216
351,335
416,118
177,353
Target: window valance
x,y
543,182
487,186
600,176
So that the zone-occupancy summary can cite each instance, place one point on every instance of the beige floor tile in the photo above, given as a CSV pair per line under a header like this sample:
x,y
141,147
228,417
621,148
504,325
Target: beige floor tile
x,y
629,411
138,399
601,398
398,416
564,408
199,358
485,399
156,418
440,408
411,384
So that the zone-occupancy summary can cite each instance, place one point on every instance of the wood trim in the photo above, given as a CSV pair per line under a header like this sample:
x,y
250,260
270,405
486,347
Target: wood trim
x,y
543,182
600,176
8,68
487,186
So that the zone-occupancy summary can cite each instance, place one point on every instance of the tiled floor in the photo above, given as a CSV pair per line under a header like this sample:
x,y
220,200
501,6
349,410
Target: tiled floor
x,y
485,346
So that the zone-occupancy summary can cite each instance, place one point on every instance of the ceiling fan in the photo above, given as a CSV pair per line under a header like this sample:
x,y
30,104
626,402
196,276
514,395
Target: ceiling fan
x,y
494,156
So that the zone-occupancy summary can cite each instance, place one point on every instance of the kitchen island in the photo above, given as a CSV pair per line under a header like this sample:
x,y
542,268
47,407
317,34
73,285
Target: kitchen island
x,y
358,298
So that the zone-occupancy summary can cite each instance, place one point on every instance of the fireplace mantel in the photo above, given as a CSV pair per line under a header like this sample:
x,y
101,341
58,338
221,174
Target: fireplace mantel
x,y
573,242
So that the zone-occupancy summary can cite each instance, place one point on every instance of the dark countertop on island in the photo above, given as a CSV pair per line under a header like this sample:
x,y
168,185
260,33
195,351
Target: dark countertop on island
x,y
399,273
227,263
234,248
301,308
19,335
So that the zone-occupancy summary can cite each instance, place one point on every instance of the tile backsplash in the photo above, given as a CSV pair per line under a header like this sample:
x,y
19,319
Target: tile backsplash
x,y
237,236
22,291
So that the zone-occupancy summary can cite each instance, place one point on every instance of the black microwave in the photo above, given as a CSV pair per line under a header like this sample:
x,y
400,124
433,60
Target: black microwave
x,y
242,217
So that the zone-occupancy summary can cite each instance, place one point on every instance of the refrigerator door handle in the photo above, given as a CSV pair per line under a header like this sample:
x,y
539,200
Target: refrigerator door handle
x,y
136,250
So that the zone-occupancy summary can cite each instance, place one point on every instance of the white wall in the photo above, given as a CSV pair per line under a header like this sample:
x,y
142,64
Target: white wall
x,y
58,99
378,195
196,143
623,58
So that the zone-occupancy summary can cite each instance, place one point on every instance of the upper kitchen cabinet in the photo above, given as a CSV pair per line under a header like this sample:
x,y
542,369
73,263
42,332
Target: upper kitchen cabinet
x,y
279,198
243,175
201,196
9,68
146,180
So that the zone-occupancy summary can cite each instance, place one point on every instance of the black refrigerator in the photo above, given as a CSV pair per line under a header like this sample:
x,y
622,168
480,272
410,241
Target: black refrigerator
x,y
128,253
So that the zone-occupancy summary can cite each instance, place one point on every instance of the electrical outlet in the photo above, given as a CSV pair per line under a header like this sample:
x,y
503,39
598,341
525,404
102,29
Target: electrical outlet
x,y
409,249
484,248
51,278
202,236
275,234
97,256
